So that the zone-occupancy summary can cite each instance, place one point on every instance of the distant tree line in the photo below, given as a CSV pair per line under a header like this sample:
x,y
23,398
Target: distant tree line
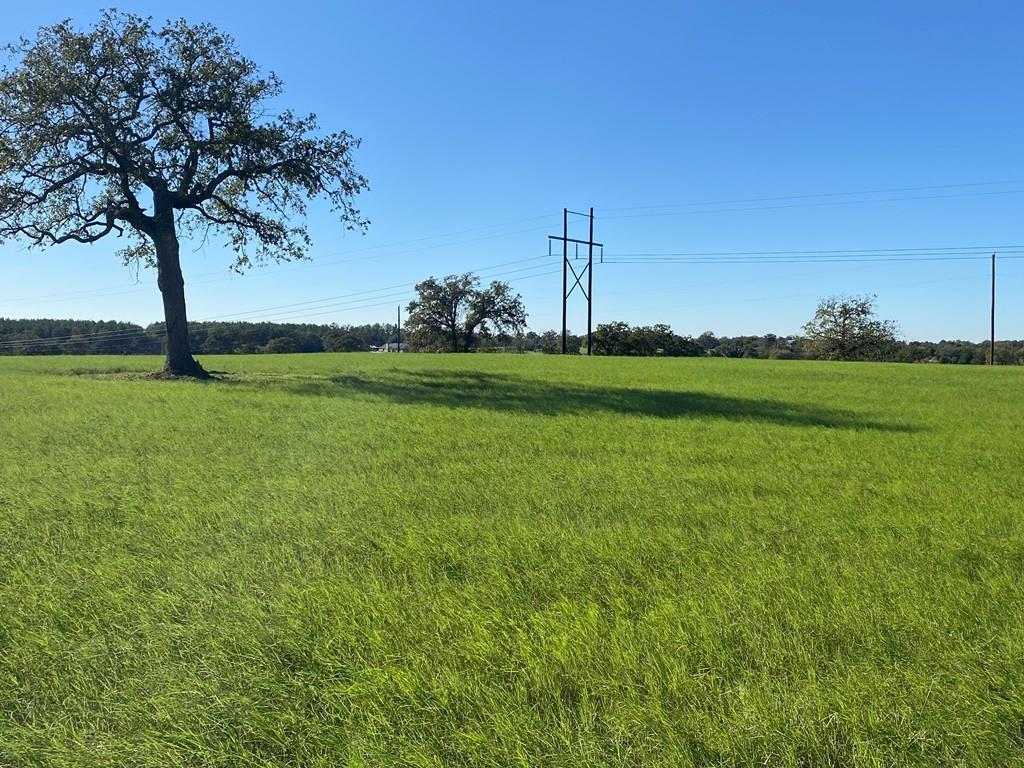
x,y
85,337
249,338
88,337
75,337
659,340
843,328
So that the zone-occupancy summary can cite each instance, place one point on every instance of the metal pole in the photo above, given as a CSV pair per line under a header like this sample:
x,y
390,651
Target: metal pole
x,y
992,337
590,285
565,278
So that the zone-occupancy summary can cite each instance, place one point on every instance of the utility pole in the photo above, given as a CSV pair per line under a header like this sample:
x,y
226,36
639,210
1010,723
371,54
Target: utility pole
x,y
567,267
399,349
992,329
590,284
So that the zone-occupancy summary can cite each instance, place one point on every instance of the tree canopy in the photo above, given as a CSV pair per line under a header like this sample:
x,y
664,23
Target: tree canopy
x,y
454,312
845,328
153,132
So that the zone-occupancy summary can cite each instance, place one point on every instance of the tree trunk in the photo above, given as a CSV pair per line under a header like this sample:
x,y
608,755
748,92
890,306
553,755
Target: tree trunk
x,y
172,288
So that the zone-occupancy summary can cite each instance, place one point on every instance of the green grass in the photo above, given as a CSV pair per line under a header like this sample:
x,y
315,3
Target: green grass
x,y
356,560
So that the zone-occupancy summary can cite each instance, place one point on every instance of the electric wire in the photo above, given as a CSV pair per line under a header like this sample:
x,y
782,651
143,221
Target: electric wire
x,y
369,291
814,205
344,306
329,260
814,195
721,257
317,261
945,253
812,260
982,249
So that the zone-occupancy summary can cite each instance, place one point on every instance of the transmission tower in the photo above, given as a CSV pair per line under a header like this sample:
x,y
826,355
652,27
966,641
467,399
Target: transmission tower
x,y
587,271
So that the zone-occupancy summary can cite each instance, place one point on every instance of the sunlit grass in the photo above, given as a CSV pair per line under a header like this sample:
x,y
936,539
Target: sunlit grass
x,y
329,560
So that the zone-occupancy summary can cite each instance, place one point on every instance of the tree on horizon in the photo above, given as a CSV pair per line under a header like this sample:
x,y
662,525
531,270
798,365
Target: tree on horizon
x,y
845,328
451,314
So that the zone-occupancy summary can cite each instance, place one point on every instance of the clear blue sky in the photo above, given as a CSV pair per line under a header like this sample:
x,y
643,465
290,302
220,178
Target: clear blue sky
x,y
481,114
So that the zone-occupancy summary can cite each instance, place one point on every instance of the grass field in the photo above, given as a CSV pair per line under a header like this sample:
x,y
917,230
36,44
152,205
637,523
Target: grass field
x,y
357,560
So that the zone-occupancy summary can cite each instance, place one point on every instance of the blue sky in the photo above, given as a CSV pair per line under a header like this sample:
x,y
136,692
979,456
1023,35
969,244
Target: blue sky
x,y
481,121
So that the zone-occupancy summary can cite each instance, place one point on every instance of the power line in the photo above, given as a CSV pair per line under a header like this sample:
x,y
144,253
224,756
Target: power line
x,y
816,205
318,307
104,336
964,248
914,283
319,311
343,306
759,279
305,264
766,299
322,306
852,259
328,260
814,195
484,272
372,290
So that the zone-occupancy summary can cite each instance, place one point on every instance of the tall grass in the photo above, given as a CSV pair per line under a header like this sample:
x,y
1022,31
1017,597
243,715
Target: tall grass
x,y
329,560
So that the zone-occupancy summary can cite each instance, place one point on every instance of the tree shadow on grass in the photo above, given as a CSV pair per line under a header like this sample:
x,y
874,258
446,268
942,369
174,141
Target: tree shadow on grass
x,y
502,392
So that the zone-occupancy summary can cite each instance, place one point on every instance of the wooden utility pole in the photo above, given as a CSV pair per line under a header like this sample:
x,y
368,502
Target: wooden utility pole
x,y
590,284
565,276
992,329
399,348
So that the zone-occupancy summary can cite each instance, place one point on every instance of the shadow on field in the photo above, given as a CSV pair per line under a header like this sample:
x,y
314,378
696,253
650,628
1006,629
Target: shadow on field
x,y
500,392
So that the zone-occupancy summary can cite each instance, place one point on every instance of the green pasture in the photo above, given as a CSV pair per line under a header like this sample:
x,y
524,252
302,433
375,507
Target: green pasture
x,y
490,560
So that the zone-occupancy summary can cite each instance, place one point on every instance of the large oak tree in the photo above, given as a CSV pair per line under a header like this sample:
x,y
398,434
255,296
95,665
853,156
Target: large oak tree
x,y
152,133
845,328
452,313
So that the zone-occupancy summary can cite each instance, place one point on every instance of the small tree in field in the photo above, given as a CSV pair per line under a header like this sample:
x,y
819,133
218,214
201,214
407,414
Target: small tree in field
x,y
151,133
451,313
845,328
